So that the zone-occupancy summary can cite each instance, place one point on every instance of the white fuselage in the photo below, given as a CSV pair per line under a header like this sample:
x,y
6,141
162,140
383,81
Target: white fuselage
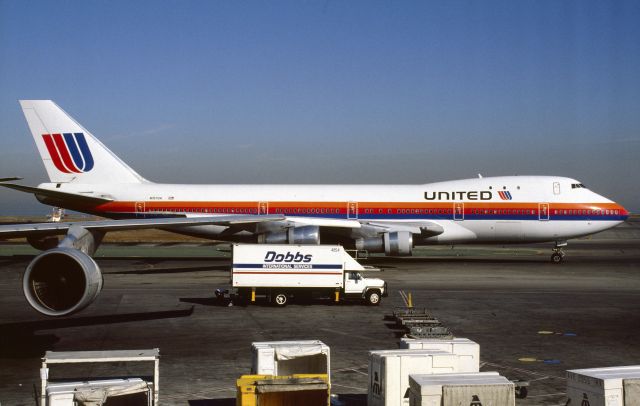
x,y
510,209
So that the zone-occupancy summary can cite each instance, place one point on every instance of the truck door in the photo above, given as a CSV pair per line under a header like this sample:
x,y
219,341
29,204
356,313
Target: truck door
x,y
352,282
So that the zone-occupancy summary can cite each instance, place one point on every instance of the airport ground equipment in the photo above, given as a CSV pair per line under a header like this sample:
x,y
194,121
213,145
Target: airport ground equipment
x,y
389,372
619,386
282,272
467,350
141,391
291,357
269,390
482,388
418,322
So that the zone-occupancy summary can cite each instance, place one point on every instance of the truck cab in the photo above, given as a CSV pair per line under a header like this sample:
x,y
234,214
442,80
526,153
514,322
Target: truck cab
x,y
370,289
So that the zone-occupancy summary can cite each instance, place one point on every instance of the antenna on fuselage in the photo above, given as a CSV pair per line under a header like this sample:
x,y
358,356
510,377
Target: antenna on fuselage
x,y
480,175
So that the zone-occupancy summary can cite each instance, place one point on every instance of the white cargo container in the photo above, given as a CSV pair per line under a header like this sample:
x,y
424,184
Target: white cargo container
x,y
389,372
281,272
467,350
290,357
485,388
614,386
136,391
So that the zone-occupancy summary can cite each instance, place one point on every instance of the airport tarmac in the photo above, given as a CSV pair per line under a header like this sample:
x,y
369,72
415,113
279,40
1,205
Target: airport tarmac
x,y
501,297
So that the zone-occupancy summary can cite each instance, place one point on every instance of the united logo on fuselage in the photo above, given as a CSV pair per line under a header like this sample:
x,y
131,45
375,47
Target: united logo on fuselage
x,y
505,195
69,152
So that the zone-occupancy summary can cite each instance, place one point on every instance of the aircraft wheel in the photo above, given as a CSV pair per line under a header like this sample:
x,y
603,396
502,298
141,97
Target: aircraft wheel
x,y
280,299
557,258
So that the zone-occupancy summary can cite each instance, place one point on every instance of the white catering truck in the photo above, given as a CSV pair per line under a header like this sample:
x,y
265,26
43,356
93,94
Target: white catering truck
x,y
284,272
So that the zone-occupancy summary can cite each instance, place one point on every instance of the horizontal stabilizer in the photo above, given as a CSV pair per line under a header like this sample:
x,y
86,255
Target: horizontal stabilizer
x,y
10,179
55,194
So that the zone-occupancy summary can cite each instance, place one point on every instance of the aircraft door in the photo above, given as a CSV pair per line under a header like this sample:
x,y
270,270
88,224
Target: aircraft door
x,y
543,211
352,210
139,207
458,211
263,208
556,188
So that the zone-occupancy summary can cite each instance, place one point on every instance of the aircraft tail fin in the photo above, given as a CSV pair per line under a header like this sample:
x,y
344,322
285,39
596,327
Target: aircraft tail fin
x,y
69,152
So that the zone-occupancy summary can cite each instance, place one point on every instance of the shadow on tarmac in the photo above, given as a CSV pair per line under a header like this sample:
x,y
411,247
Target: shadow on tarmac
x,y
19,340
347,399
171,270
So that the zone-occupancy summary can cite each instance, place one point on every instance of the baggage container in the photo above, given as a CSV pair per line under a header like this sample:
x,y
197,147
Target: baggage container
x,y
481,388
293,390
614,386
132,392
290,357
467,350
389,372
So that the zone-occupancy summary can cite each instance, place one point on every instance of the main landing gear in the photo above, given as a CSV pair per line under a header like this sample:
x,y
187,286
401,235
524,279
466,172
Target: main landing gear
x,y
558,255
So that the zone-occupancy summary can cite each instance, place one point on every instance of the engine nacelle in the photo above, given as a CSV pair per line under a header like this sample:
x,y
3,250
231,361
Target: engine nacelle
x,y
398,243
294,235
61,281
43,243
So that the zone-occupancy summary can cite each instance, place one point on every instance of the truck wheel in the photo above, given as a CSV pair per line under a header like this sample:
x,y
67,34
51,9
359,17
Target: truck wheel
x,y
373,297
279,299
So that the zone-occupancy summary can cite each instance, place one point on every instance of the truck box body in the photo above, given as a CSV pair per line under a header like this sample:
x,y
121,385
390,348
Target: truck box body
x,y
389,372
485,388
467,350
309,266
290,357
280,272
614,386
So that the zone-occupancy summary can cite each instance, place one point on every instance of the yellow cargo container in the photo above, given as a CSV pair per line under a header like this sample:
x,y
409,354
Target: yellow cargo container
x,y
290,390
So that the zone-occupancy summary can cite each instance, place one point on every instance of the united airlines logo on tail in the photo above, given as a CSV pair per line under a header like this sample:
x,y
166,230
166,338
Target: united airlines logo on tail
x,y
505,195
69,152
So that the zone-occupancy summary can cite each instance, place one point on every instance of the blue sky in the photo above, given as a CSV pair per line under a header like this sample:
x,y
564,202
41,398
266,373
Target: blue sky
x,y
331,91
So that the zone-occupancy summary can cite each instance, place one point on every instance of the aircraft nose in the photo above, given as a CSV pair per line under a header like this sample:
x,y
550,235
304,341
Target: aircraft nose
x,y
624,213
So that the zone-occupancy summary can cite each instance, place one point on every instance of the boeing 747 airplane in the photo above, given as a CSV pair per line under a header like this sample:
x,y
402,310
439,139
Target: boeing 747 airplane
x,y
87,177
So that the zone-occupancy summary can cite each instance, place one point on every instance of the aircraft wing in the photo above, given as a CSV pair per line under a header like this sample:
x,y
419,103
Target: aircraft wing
x,y
51,228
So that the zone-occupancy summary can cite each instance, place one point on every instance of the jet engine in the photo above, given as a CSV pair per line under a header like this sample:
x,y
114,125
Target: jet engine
x,y
294,235
65,279
61,281
399,243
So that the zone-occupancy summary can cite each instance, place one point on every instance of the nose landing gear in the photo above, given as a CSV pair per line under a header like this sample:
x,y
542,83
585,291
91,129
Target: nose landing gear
x,y
558,254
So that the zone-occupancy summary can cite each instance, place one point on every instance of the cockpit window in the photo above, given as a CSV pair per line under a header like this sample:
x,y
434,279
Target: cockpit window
x,y
577,186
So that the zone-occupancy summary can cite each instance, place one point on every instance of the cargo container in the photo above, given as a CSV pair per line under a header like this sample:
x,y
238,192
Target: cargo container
x,y
389,372
283,272
138,391
467,350
614,386
482,388
290,357
293,390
